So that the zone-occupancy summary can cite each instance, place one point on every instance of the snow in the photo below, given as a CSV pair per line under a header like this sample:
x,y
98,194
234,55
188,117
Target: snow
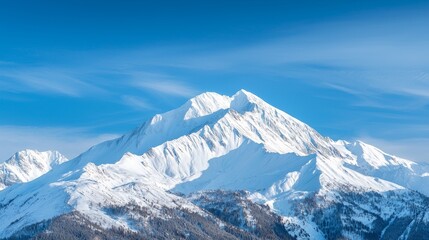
x,y
405,234
370,160
27,165
248,167
426,217
205,104
211,142
302,228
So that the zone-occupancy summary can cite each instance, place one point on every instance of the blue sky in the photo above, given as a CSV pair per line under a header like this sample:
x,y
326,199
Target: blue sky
x,y
74,73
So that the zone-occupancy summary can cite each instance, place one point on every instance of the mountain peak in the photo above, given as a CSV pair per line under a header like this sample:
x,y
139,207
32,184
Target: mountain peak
x,y
208,103
243,94
50,156
205,104
374,158
27,165
244,101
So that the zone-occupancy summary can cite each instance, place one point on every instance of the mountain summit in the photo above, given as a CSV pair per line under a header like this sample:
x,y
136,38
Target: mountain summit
x,y
27,165
235,166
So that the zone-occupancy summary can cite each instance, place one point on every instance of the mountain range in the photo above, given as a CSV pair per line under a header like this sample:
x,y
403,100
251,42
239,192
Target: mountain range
x,y
217,167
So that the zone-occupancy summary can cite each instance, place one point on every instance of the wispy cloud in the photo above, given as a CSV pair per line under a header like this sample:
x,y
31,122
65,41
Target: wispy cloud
x,y
44,80
161,83
68,141
374,54
136,102
168,87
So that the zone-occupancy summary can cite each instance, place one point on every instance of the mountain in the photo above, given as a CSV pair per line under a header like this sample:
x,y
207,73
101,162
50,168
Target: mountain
x,y
225,168
27,165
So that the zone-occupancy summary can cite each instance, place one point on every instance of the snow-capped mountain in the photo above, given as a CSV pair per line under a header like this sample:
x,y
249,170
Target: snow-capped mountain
x,y
270,173
27,165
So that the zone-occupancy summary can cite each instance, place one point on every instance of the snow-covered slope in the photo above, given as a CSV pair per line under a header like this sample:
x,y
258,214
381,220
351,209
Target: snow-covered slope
x,y
27,165
372,161
217,142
